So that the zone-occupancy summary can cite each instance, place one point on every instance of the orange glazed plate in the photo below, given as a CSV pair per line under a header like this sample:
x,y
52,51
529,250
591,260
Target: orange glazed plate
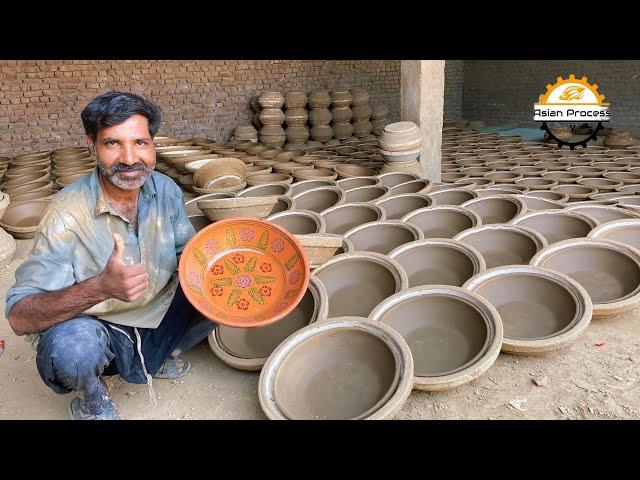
x,y
244,272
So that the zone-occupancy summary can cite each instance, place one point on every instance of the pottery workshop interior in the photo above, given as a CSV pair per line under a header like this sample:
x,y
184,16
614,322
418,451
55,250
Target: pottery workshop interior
x,y
353,239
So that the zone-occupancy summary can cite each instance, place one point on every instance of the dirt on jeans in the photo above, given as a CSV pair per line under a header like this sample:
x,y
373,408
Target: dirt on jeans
x,y
598,377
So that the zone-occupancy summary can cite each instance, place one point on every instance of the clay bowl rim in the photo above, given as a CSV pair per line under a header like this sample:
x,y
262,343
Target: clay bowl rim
x,y
563,199
605,309
328,183
466,190
565,211
23,230
388,197
557,340
520,205
252,188
233,189
473,216
320,311
603,229
391,174
475,367
524,198
382,409
423,191
321,226
251,182
382,215
339,169
415,229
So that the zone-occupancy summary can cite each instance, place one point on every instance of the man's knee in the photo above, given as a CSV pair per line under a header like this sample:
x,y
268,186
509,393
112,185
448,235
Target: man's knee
x,y
73,353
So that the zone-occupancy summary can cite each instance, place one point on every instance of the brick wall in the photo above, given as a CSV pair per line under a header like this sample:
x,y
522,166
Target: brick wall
x,y
41,101
504,91
453,84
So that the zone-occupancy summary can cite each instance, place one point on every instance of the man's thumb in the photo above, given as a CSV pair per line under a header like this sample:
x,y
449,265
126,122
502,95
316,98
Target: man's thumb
x,y
118,247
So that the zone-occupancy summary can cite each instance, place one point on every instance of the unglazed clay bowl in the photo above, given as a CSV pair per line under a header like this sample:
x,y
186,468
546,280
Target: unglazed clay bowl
x,y
438,261
454,335
23,197
301,222
227,208
609,271
602,184
397,206
18,172
229,189
321,247
497,208
365,194
602,213
626,231
383,236
343,368
535,183
299,187
541,310
534,203
392,179
341,218
319,198
355,182
491,192
452,196
626,178
420,186
575,192
444,221
350,171
262,178
24,180
557,225
249,348
358,281
258,169
548,195
266,189
503,244
43,186
308,173
587,171
21,219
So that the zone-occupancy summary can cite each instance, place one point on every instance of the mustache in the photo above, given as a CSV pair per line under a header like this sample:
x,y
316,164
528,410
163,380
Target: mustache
x,y
121,167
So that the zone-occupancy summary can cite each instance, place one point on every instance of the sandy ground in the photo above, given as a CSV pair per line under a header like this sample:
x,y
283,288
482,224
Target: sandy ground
x,y
596,378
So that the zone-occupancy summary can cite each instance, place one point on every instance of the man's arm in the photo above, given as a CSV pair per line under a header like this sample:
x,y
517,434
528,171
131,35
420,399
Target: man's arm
x,y
36,313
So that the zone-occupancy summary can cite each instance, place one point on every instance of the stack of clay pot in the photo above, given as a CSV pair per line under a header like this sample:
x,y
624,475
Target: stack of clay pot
x,y
379,118
296,116
245,133
400,147
341,114
361,119
272,117
255,108
320,116
71,164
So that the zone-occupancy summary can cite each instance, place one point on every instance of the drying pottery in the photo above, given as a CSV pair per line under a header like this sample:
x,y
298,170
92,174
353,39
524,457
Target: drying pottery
x,y
454,335
625,231
220,173
503,177
404,157
628,189
562,177
553,166
400,136
355,182
21,219
24,180
358,281
258,169
43,186
503,244
627,178
341,218
266,190
300,222
492,191
535,183
286,167
444,221
548,195
263,178
341,130
452,196
320,247
602,184
232,189
602,213
349,171
629,202
271,100
474,183
18,172
619,140
395,178
249,348
191,205
319,199
497,208
575,192
295,100
414,186
557,225
321,133
376,383
396,206
319,99
320,117
609,271
365,194
226,208
438,261
341,115
541,310
534,203
383,236
299,187
307,173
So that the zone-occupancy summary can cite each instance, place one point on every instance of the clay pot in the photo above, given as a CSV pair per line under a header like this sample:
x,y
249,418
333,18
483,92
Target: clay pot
x,y
341,218
587,172
223,208
365,194
299,187
266,189
548,195
220,173
43,186
18,172
625,231
401,157
319,99
320,117
360,96
534,204
576,192
602,213
319,198
356,282
602,184
619,140
414,186
295,100
263,178
454,335
503,244
341,115
395,178
537,183
24,180
397,206
191,206
541,310
355,182
321,247
321,133
496,208
442,222
557,225
452,196
297,134
609,271
249,348
21,219
341,130
627,178
375,351
314,174
300,222
268,100
383,236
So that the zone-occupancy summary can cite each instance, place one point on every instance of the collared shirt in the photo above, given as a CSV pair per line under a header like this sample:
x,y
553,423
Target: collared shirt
x,y
75,240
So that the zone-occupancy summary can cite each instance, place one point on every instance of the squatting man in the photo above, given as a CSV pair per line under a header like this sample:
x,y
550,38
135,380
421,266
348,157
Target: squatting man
x,y
99,293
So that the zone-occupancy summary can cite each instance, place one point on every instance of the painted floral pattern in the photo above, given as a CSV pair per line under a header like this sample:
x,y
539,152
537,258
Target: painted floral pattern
x,y
265,291
217,291
217,269
212,247
246,234
294,277
238,258
194,279
277,245
265,267
243,281
242,304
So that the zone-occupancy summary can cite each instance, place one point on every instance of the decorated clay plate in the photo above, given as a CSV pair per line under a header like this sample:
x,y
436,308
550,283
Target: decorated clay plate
x,y
244,272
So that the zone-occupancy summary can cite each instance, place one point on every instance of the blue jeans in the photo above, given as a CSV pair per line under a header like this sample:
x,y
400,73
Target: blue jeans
x,y
72,355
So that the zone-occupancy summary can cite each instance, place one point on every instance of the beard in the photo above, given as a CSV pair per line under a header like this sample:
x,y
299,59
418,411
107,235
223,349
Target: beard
x,y
119,174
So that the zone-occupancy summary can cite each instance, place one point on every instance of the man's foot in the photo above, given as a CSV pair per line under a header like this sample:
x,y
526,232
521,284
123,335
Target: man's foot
x,y
77,413
173,367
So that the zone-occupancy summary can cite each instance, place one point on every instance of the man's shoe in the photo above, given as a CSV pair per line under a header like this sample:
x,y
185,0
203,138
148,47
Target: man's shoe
x,y
173,368
77,413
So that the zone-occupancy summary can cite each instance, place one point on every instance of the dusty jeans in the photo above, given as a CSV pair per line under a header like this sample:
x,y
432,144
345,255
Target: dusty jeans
x,y
75,353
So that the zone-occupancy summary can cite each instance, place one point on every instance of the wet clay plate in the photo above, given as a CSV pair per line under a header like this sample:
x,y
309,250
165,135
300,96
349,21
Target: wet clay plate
x,y
244,272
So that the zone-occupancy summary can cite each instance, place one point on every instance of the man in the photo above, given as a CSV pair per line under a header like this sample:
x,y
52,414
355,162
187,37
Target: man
x,y
100,289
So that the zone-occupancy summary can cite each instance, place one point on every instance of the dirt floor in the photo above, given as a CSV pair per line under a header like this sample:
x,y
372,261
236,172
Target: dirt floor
x,y
596,378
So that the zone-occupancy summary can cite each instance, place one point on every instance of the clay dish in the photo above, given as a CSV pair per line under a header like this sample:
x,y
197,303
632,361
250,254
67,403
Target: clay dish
x,y
575,192
534,203
451,177
420,186
258,170
299,187
562,177
453,196
541,310
626,178
503,177
477,171
609,271
21,219
396,206
321,247
18,172
319,198
266,189
231,189
503,244
358,281
602,184
489,192
307,173
548,195
557,225
613,166
444,221
223,208
263,178
286,167
392,179
628,189
629,202
535,183
24,180
497,208
438,261
577,162
191,206
553,165
341,218
263,162
361,370
355,182
624,231
602,213
474,183
249,348
300,222
383,236
365,194
350,171
44,186
454,335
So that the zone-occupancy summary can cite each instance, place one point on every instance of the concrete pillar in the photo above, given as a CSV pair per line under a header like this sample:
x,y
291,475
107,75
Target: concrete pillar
x,y
422,102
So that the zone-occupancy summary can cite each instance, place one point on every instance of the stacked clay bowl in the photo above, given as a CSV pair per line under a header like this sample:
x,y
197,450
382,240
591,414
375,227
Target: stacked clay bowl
x,y
379,118
320,117
21,219
246,132
272,117
400,142
296,117
220,175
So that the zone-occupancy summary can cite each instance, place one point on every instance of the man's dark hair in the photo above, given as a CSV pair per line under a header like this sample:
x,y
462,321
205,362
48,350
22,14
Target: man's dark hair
x,y
114,108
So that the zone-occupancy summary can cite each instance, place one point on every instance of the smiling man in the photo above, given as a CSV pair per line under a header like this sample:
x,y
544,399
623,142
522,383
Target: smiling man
x,y
99,293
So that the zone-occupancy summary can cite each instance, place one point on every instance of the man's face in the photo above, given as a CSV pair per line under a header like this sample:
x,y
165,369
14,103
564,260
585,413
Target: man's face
x,y
125,153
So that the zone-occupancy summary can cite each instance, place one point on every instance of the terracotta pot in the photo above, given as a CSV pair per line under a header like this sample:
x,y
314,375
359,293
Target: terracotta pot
x,y
365,194
375,351
320,117
503,244
319,99
627,178
295,100
223,208
220,173
414,186
266,189
341,130
619,140
300,222
321,133
303,186
395,178
575,192
548,195
268,100
383,236
355,182
263,178
496,208
557,225
341,218
21,219
454,335
602,213
541,310
609,271
397,206
453,196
